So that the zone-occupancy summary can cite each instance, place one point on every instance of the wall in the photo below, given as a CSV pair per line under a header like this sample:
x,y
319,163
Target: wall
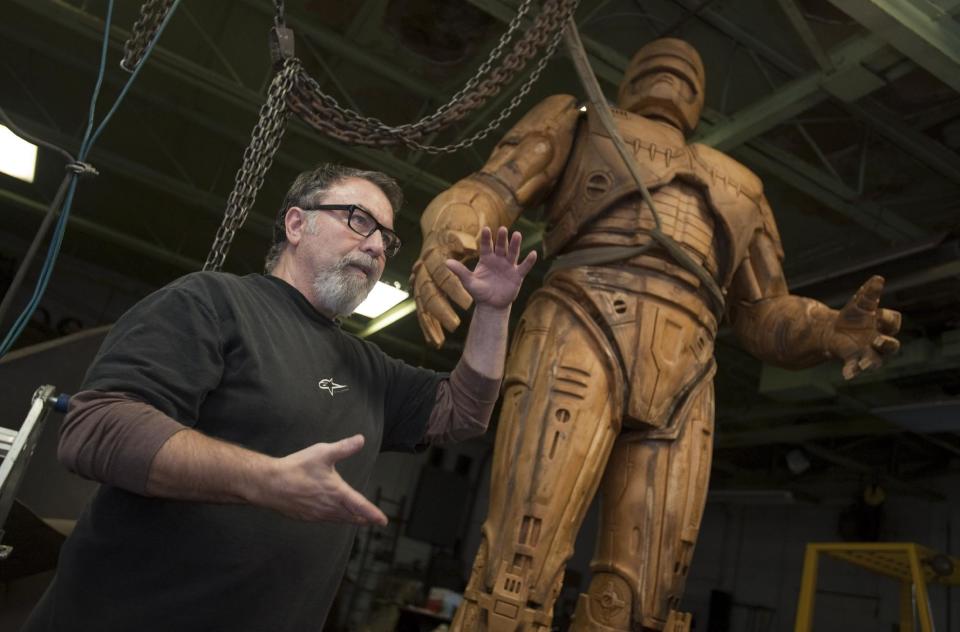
x,y
755,553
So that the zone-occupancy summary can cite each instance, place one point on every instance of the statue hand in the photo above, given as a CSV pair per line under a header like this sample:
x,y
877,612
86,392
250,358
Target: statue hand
x,y
434,285
863,332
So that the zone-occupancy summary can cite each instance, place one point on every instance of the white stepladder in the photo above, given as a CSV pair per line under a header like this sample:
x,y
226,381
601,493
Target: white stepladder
x,y
16,449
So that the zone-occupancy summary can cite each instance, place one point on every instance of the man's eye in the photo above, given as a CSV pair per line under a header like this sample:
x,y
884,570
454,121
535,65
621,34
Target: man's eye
x,y
363,223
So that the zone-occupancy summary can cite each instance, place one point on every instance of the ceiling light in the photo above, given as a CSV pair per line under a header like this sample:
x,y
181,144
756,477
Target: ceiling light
x,y
381,298
18,158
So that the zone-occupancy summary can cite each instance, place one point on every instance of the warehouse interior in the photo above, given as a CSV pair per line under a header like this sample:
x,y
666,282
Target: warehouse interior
x,y
848,110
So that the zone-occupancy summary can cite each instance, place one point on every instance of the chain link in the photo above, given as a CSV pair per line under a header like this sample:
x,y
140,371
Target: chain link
x,y
325,114
152,15
293,90
257,158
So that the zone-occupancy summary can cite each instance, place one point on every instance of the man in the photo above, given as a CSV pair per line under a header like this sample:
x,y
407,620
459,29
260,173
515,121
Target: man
x,y
609,382
232,421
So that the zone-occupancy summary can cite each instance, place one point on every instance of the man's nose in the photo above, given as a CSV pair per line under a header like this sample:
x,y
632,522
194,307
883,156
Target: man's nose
x,y
373,244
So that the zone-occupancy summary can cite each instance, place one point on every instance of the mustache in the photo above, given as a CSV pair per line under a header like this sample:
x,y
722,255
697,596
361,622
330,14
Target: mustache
x,y
358,259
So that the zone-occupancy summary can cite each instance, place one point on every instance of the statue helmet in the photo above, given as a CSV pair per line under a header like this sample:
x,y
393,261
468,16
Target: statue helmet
x,y
677,57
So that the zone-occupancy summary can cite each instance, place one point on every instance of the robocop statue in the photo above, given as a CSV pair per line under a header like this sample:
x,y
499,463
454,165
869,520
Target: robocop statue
x,y
609,379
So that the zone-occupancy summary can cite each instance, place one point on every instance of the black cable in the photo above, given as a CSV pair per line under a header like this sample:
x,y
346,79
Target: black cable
x,y
35,245
36,141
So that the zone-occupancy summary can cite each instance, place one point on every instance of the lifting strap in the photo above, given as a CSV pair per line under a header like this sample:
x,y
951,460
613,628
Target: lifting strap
x,y
601,255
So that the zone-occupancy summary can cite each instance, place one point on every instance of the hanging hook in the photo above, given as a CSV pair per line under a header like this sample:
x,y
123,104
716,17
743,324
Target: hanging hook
x,y
281,37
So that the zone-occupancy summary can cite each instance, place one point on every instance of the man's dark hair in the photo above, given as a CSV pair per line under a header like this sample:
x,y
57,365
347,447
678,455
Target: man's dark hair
x,y
310,187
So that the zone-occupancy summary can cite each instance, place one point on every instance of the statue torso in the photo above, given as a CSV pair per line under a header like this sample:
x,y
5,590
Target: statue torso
x,y
652,308
707,202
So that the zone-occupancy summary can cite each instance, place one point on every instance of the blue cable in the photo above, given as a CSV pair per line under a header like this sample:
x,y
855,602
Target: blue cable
x,y
89,138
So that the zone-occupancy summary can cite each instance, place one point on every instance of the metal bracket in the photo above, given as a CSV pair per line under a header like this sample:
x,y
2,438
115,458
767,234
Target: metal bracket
x,y
19,449
281,44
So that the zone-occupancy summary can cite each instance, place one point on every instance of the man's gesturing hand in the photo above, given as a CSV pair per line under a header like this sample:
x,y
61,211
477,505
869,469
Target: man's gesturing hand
x,y
306,486
496,279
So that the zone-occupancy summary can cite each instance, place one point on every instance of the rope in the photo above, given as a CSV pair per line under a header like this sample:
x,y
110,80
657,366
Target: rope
x,y
76,168
595,94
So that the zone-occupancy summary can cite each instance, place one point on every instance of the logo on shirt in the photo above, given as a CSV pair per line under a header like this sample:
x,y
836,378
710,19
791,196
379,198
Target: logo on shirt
x,y
328,385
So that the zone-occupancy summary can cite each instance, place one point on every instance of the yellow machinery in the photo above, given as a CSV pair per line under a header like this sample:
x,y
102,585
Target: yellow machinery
x,y
913,565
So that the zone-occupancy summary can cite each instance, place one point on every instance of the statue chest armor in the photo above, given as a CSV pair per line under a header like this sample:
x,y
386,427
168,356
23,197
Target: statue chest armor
x,y
701,203
684,217
659,325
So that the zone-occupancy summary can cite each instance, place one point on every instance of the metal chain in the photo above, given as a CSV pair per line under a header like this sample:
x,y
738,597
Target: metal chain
x,y
485,67
325,114
257,158
504,113
152,15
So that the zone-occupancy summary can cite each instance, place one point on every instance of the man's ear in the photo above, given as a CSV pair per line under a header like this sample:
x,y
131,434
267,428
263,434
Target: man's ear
x,y
295,222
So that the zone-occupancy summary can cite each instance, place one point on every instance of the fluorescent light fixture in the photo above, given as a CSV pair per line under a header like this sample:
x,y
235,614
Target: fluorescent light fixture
x,y
18,158
381,298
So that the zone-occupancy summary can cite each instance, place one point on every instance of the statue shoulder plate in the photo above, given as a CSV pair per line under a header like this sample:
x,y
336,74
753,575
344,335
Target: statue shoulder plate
x,y
723,168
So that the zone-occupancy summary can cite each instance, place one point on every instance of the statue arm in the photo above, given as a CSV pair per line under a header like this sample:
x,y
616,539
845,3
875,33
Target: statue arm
x,y
521,171
797,332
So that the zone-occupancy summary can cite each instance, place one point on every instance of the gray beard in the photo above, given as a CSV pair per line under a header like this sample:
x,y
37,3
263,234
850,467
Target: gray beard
x,y
338,290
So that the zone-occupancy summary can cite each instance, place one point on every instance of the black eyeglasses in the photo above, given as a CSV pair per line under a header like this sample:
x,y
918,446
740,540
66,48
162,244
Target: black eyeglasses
x,y
363,223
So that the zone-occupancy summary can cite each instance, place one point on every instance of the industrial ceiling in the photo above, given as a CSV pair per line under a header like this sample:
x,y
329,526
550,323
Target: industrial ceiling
x,y
849,110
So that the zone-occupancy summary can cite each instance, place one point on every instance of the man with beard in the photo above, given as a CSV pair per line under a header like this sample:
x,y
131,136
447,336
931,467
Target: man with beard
x,y
218,407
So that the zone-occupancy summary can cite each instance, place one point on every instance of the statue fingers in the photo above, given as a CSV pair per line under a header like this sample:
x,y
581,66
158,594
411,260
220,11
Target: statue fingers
x,y
870,360
431,302
885,345
447,281
851,368
888,321
856,364
432,332
867,297
453,287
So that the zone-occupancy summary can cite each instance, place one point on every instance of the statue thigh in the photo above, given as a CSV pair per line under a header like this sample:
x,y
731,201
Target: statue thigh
x,y
560,417
652,501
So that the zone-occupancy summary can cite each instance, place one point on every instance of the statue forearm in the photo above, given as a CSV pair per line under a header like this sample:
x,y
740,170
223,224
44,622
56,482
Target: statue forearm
x,y
787,331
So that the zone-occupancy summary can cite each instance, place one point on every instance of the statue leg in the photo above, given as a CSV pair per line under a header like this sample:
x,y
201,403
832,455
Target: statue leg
x,y
651,503
559,418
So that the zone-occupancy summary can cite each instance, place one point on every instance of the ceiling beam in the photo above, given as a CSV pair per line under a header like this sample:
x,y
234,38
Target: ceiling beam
x,y
107,161
925,148
347,49
607,63
799,95
829,191
923,31
933,154
213,84
809,38
109,235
